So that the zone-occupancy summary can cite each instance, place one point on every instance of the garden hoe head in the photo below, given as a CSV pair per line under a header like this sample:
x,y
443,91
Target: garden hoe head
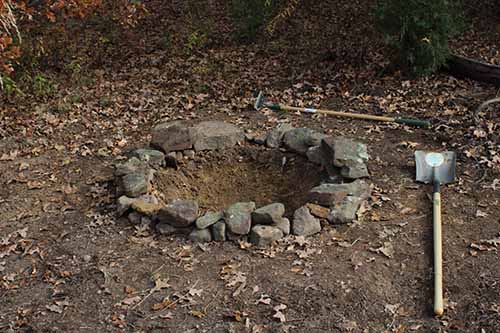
x,y
435,167
259,102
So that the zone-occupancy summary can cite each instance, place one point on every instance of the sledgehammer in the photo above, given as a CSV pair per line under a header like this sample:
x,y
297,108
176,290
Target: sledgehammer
x,y
260,103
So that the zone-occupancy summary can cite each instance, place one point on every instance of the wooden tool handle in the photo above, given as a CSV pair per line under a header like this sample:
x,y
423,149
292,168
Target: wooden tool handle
x,y
406,121
438,254
337,113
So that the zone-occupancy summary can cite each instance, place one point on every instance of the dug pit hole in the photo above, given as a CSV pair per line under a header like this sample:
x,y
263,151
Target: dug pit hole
x,y
218,179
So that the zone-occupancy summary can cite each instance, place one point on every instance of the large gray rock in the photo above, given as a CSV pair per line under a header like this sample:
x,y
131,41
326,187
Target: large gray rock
x,y
315,155
132,165
275,137
331,194
238,217
200,236
135,184
299,140
345,211
349,155
215,135
219,231
268,214
304,224
208,219
264,235
172,136
284,225
179,213
154,158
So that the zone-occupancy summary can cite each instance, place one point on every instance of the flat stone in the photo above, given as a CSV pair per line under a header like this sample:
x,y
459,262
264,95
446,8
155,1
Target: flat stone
x,y
345,212
264,235
298,140
349,155
304,224
188,153
208,219
330,194
355,171
238,217
268,214
179,213
275,137
172,136
314,155
200,236
154,158
219,231
123,204
132,165
146,208
167,230
318,211
284,225
135,184
216,135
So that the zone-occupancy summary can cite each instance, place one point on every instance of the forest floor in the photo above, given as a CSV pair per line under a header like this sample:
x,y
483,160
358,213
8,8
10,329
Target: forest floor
x,y
67,264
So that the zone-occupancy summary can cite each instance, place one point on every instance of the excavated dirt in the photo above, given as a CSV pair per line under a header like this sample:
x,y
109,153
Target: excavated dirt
x,y
219,179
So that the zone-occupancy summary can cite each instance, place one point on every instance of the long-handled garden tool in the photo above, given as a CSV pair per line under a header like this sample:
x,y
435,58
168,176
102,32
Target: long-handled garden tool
x,y
436,168
260,103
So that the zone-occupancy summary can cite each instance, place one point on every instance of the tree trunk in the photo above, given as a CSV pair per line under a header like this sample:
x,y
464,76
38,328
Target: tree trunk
x,y
480,71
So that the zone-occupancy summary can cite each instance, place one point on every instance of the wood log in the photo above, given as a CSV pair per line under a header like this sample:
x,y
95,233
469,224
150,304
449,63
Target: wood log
x,y
477,70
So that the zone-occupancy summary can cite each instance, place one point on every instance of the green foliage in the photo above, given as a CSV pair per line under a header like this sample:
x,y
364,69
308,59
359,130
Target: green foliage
x,y
417,31
8,86
196,40
250,16
42,86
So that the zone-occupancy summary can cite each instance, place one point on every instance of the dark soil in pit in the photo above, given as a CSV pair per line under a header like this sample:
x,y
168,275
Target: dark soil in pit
x,y
219,179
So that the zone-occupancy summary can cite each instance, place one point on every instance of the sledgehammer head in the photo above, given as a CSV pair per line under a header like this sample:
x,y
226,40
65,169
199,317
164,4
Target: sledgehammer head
x,y
259,102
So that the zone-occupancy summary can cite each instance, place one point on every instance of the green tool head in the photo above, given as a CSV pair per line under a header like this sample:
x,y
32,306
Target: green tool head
x,y
259,102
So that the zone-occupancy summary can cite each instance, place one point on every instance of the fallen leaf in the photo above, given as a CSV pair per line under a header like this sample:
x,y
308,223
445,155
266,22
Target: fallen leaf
x,y
278,314
264,299
387,249
480,213
23,166
131,300
195,292
54,308
196,313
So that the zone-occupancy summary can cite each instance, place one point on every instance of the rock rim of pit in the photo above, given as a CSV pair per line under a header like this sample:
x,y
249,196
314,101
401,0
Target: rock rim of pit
x,y
177,143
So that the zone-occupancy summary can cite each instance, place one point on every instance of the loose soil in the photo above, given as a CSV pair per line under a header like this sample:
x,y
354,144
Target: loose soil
x,y
219,179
